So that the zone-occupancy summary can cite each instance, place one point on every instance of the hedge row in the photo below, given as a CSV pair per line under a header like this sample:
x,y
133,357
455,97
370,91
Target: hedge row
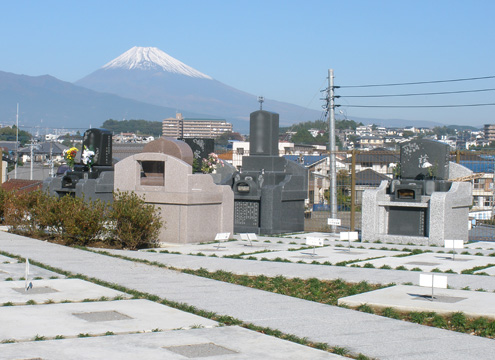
x,y
128,223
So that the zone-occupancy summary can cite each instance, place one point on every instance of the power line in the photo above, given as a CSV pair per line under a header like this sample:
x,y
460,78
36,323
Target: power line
x,y
417,94
418,82
416,106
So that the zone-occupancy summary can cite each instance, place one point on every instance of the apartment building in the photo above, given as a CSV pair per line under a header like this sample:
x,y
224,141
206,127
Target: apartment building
x,y
179,127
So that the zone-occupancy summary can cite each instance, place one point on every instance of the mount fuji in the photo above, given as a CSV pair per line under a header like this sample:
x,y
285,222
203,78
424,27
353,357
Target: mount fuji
x,y
149,75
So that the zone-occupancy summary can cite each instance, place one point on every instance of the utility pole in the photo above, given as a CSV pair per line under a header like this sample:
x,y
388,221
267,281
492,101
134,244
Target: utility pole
x,y
16,141
31,167
331,149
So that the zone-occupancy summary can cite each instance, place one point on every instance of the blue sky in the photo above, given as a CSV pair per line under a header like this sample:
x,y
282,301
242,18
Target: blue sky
x,y
279,49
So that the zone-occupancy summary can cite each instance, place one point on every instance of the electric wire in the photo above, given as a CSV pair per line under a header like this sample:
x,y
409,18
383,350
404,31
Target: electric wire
x,y
418,94
418,82
416,106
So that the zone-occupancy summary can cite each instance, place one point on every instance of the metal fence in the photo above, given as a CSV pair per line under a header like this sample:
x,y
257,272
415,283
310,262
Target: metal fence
x,y
358,171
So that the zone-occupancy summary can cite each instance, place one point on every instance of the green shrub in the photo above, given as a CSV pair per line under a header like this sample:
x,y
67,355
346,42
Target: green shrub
x,y
135,224
82,220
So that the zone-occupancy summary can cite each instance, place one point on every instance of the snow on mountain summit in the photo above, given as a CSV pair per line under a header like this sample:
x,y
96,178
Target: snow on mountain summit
x,y
146,58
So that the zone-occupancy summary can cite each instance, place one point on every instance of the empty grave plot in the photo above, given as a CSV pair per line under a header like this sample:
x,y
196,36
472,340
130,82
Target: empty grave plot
x,y
416,298
230,247
16,270
429,261
58,290
327,254
93,318
229,342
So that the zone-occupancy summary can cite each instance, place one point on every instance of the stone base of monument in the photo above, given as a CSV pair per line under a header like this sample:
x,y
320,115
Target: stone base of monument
x,y
416,298
193,208
215,343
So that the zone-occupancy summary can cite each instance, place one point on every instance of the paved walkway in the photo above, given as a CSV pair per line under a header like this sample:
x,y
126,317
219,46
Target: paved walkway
x,y
372,335
304,271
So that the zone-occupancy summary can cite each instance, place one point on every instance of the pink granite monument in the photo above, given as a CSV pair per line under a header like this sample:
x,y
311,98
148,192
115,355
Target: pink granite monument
x,y
193,207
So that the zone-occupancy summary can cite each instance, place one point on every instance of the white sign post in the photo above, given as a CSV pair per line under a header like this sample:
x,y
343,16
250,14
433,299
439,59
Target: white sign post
x,y
334,222
454,244
349,236
221,236
27,284
314,242
249,237
433,281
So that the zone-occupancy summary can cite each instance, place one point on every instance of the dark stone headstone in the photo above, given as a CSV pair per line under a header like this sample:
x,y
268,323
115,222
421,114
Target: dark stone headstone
x,y
100,141
263,133
269,191
417,154
200,147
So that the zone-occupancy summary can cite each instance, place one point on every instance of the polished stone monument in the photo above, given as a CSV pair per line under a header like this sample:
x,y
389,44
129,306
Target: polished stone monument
x,y
95,182
193,207
269,190
422,205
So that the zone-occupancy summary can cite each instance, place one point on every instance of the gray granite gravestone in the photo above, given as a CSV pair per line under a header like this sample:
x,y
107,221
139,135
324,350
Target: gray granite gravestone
x,y
421,206
269,190
92,183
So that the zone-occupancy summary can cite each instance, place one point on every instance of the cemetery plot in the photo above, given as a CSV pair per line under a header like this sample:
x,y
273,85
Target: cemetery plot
x,y
54,291
94,318
327,254
429,261
211,343
17,270
416,298
230,247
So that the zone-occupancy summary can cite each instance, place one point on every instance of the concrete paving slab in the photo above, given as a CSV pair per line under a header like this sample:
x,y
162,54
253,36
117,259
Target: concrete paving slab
x,y
94,318
481,245
357,331
215,343
327,254
229,247
416,298
73,290
490,271
7,260
428,261
16,271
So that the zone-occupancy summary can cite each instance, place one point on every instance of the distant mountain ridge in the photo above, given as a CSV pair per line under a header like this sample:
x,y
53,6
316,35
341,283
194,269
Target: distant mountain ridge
x,y
150,75
61,104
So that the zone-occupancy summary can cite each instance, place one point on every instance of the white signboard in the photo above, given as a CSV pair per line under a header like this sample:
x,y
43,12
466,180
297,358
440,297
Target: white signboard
x,y
349,235
222,236
314,241
430,280
454,244
252,236
333,221
244,237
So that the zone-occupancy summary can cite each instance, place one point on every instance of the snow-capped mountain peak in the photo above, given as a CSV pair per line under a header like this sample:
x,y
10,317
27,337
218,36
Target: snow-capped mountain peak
x,y
146,58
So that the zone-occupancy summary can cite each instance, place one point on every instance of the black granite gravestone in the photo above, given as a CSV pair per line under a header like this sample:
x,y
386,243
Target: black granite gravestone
x,y
95,182
99,141
200,147
269,190
424,158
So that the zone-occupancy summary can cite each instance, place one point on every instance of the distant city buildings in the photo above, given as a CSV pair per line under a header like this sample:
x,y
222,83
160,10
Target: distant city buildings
x,y
179,127
489,130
